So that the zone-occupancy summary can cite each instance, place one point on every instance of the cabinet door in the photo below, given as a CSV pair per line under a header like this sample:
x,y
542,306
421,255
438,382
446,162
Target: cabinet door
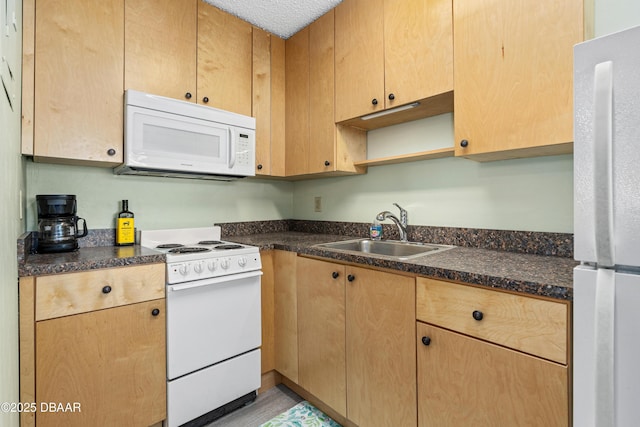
x,y
160,47
513,73
321,331
381,363
418,49
224,60
285,314
359,69
268,102
112,362
261,99
465,381
322,128
297,102
79,62
277,108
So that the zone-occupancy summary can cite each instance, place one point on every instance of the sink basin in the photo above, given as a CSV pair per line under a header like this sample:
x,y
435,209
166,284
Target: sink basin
x,y
392,248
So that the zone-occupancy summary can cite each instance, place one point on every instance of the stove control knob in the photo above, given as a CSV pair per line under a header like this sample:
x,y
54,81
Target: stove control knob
x,y
212,265
184,269
198,267
224,264
242,261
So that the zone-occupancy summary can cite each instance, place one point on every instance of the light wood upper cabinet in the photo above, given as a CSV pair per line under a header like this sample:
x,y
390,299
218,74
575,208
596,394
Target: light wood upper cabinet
x,y
189,50
160,47
78,99
224,60
359,59
297,102
268,105
513,77
315,145
418,47
390,53
322,130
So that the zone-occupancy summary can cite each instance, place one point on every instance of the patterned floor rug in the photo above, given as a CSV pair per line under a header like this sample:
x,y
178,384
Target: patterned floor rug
x,y
303,414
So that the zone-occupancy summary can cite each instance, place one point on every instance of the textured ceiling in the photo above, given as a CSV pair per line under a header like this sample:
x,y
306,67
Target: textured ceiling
x,y
283,18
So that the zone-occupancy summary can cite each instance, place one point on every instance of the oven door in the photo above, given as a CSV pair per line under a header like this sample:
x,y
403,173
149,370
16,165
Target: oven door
x,y
212,320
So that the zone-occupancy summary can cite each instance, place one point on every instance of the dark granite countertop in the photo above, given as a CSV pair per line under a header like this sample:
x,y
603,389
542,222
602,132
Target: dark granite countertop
x,y
87,258
543,275
548,276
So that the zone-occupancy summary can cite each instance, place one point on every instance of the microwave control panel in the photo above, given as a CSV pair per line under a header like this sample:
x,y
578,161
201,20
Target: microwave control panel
x,y
245,149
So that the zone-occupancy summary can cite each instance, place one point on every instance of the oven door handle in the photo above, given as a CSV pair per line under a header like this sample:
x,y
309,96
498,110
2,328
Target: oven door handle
x,y
214,281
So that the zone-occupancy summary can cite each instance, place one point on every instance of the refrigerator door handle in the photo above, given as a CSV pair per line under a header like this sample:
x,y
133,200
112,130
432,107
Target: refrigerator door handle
x,y
604,317
603,163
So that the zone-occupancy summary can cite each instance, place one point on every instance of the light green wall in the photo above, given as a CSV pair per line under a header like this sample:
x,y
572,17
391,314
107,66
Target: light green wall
x,y
11,226
158,202
528,194
533,194
615,15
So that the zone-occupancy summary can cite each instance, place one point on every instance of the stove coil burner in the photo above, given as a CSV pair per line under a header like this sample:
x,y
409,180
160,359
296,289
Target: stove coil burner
x,y
169,246
228,247
209,242
188,250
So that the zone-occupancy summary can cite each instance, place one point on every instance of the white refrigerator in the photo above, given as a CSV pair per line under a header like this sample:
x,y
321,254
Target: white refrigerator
x,y
606,286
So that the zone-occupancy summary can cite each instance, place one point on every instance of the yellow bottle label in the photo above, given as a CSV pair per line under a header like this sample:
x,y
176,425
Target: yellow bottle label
x,y
125,231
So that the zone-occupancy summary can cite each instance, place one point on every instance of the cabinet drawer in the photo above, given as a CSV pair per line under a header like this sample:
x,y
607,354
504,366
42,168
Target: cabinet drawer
x,y
531,325
65,294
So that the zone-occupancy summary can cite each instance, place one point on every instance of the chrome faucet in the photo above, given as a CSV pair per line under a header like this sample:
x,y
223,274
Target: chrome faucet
x,y
401,223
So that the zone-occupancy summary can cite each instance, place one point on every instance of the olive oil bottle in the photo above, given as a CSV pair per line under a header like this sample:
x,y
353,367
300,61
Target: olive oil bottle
x,y
125,226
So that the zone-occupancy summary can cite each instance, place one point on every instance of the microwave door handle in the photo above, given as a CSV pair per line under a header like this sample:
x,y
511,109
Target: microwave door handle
x,y
232,149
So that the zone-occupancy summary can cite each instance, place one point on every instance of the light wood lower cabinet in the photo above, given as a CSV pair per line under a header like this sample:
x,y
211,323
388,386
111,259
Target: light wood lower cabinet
x,y
321,331
356,345
466,381
482,358
285,314
111,362
347,339
105,355
381,364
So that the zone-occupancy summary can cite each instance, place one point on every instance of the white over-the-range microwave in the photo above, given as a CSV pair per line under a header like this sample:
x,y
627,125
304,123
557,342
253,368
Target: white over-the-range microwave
x,y
169,137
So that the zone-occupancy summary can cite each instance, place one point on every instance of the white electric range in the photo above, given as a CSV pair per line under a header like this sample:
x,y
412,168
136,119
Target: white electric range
x,y
213,323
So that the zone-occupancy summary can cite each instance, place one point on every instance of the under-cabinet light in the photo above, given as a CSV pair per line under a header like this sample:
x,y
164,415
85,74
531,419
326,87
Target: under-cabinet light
x,y
390,111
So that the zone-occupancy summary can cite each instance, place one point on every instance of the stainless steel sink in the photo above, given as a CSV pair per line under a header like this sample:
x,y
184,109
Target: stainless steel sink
x,y
391,248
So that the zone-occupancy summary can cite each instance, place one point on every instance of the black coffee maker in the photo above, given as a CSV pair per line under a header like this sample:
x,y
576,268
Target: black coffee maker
x,y
58,223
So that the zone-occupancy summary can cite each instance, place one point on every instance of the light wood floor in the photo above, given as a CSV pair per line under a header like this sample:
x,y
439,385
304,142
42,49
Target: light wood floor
x,y
266,406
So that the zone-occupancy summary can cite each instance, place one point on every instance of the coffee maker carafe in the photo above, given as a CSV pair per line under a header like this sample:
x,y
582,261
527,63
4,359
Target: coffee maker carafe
x,y
58,223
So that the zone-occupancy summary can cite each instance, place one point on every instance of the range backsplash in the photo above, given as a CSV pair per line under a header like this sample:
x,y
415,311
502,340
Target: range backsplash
x,y
529,242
